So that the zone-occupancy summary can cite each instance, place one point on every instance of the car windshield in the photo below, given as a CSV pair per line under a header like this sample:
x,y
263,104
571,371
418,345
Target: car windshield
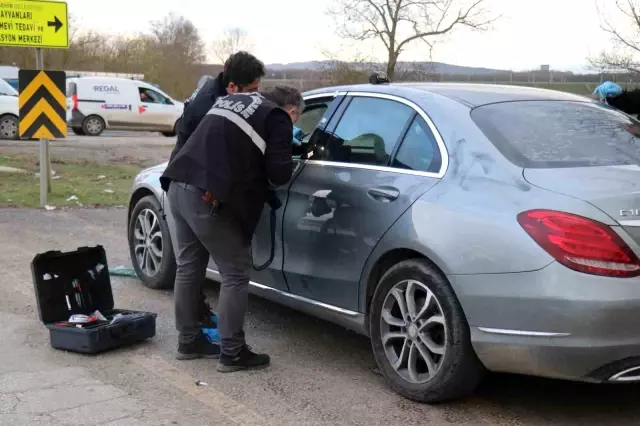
x,y
6,89
551,134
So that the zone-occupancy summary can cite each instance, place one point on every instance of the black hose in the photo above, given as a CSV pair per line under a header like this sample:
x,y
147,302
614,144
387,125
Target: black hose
x,y
272,231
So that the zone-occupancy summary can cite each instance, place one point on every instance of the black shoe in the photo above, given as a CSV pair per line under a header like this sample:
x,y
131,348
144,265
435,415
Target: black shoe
x,y
245,360
199,348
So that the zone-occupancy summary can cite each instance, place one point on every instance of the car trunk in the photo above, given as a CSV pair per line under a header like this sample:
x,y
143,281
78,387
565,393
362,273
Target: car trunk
x,y
613,189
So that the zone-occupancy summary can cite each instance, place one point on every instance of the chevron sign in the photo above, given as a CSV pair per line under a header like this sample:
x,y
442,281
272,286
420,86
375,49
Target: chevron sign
x,y
43,104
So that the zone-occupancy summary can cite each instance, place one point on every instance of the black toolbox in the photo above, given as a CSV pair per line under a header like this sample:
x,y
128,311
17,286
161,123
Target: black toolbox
x,y
78,282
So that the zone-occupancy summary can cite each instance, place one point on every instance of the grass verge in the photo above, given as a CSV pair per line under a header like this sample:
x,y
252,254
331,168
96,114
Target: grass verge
x,y
76,183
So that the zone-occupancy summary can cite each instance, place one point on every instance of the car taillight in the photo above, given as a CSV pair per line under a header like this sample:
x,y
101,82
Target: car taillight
x,y
74,99
580,243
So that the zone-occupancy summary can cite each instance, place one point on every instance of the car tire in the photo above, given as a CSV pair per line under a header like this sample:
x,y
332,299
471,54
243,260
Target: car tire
x,y
93,125
150,247
78,131
9,127
453,369
175,130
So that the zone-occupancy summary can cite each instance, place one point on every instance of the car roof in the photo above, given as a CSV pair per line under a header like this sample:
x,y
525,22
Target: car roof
x,y
93,79
470,94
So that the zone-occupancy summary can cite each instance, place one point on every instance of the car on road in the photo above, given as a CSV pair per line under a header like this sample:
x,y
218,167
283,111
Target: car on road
x,y
9,111
464,228
95,104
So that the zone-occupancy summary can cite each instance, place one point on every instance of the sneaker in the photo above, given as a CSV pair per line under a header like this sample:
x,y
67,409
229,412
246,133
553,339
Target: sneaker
x,y
199,348
245,360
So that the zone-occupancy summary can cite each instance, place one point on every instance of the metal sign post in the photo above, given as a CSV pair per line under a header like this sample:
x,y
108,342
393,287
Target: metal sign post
x,y
45,175
42,100
43,114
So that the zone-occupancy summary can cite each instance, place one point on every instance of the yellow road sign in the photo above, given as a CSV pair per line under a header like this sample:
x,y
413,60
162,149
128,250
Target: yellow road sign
x,y
34,23
43,104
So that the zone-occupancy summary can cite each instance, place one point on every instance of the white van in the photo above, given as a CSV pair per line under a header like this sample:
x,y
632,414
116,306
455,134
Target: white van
x,y
9,111
98,103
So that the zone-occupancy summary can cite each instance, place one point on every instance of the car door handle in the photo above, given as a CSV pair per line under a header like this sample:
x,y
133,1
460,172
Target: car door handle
x,y
386,193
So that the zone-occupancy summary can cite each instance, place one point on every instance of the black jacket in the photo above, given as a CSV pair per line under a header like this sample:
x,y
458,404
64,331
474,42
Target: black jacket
x,y
241,148
628,101
195,108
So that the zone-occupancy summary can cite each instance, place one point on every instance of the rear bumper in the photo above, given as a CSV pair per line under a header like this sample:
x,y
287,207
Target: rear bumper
x,y
554,323
75,119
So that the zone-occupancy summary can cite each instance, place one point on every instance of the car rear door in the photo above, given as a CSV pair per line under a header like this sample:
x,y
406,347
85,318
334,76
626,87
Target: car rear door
x,y
157,111
318,110
376,156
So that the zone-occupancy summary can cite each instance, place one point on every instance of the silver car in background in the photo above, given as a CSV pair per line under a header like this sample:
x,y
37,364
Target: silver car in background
x,y
463,228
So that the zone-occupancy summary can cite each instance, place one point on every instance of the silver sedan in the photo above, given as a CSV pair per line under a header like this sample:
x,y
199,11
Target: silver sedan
x,y
463,228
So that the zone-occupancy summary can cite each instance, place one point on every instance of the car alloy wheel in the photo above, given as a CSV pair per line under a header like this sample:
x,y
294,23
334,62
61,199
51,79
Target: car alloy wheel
x,y
150,246
8,127
148,242
94,126
413,331
420,337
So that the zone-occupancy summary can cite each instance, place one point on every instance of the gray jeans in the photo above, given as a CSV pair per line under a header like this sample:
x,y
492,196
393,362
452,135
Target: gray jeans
x,y
196,236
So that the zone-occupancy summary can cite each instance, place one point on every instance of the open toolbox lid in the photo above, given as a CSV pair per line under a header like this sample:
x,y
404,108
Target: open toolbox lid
x,y
71,283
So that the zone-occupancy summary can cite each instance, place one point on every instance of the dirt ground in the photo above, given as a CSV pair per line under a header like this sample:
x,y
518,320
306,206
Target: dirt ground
x,y
143,149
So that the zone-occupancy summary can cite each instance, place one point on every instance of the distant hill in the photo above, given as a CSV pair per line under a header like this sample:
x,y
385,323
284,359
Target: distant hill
x,y
436,67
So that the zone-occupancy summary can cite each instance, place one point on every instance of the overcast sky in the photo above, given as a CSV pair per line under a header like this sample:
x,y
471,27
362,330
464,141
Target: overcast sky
x,y
561,33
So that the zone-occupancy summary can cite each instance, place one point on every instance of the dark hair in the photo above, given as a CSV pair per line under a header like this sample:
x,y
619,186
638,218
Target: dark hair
x,y
242,68
284,96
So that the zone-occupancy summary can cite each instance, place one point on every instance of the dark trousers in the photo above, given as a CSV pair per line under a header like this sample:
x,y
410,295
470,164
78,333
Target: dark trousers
x,y
197,235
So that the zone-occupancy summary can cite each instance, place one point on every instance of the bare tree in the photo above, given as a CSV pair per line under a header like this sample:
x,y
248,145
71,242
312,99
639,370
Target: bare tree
x,y
398,23
171,53
625,36
230,42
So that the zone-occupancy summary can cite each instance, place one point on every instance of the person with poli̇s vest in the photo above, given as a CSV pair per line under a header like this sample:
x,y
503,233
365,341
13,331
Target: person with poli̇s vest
x,y
217,185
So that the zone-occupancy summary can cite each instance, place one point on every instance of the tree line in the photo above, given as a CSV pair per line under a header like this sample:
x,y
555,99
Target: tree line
x,y
170,54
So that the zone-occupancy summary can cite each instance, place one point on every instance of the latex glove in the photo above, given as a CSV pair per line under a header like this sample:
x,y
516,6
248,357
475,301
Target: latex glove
x,y
608,89
298,135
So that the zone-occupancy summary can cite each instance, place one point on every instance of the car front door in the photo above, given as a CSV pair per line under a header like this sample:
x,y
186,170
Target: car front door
x,y
156,110
375,157
318,109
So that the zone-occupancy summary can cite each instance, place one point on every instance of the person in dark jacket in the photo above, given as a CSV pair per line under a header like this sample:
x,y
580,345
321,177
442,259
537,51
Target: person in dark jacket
x,y
242,73
217,186
627,101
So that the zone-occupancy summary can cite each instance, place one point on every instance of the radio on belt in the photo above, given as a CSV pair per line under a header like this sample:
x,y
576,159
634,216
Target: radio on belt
x,y
75,302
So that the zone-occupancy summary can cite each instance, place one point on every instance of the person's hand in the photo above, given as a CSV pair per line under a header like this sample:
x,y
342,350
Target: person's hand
x,y
634,129
608,89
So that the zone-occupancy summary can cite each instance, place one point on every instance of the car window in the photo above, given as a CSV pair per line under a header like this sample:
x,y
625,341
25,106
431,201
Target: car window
x,y
311,116
6,89
151,96
549,134
71,89
419,150
368,131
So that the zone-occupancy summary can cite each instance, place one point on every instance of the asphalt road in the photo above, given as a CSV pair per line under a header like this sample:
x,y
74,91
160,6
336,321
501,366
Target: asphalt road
x,y
321,374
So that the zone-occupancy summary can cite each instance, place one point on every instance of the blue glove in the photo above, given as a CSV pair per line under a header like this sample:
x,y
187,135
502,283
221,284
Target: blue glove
x,y
298,135
212,333
608,89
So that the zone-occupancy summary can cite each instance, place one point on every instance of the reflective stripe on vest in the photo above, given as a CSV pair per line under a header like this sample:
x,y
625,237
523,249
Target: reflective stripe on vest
x,y
242,124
